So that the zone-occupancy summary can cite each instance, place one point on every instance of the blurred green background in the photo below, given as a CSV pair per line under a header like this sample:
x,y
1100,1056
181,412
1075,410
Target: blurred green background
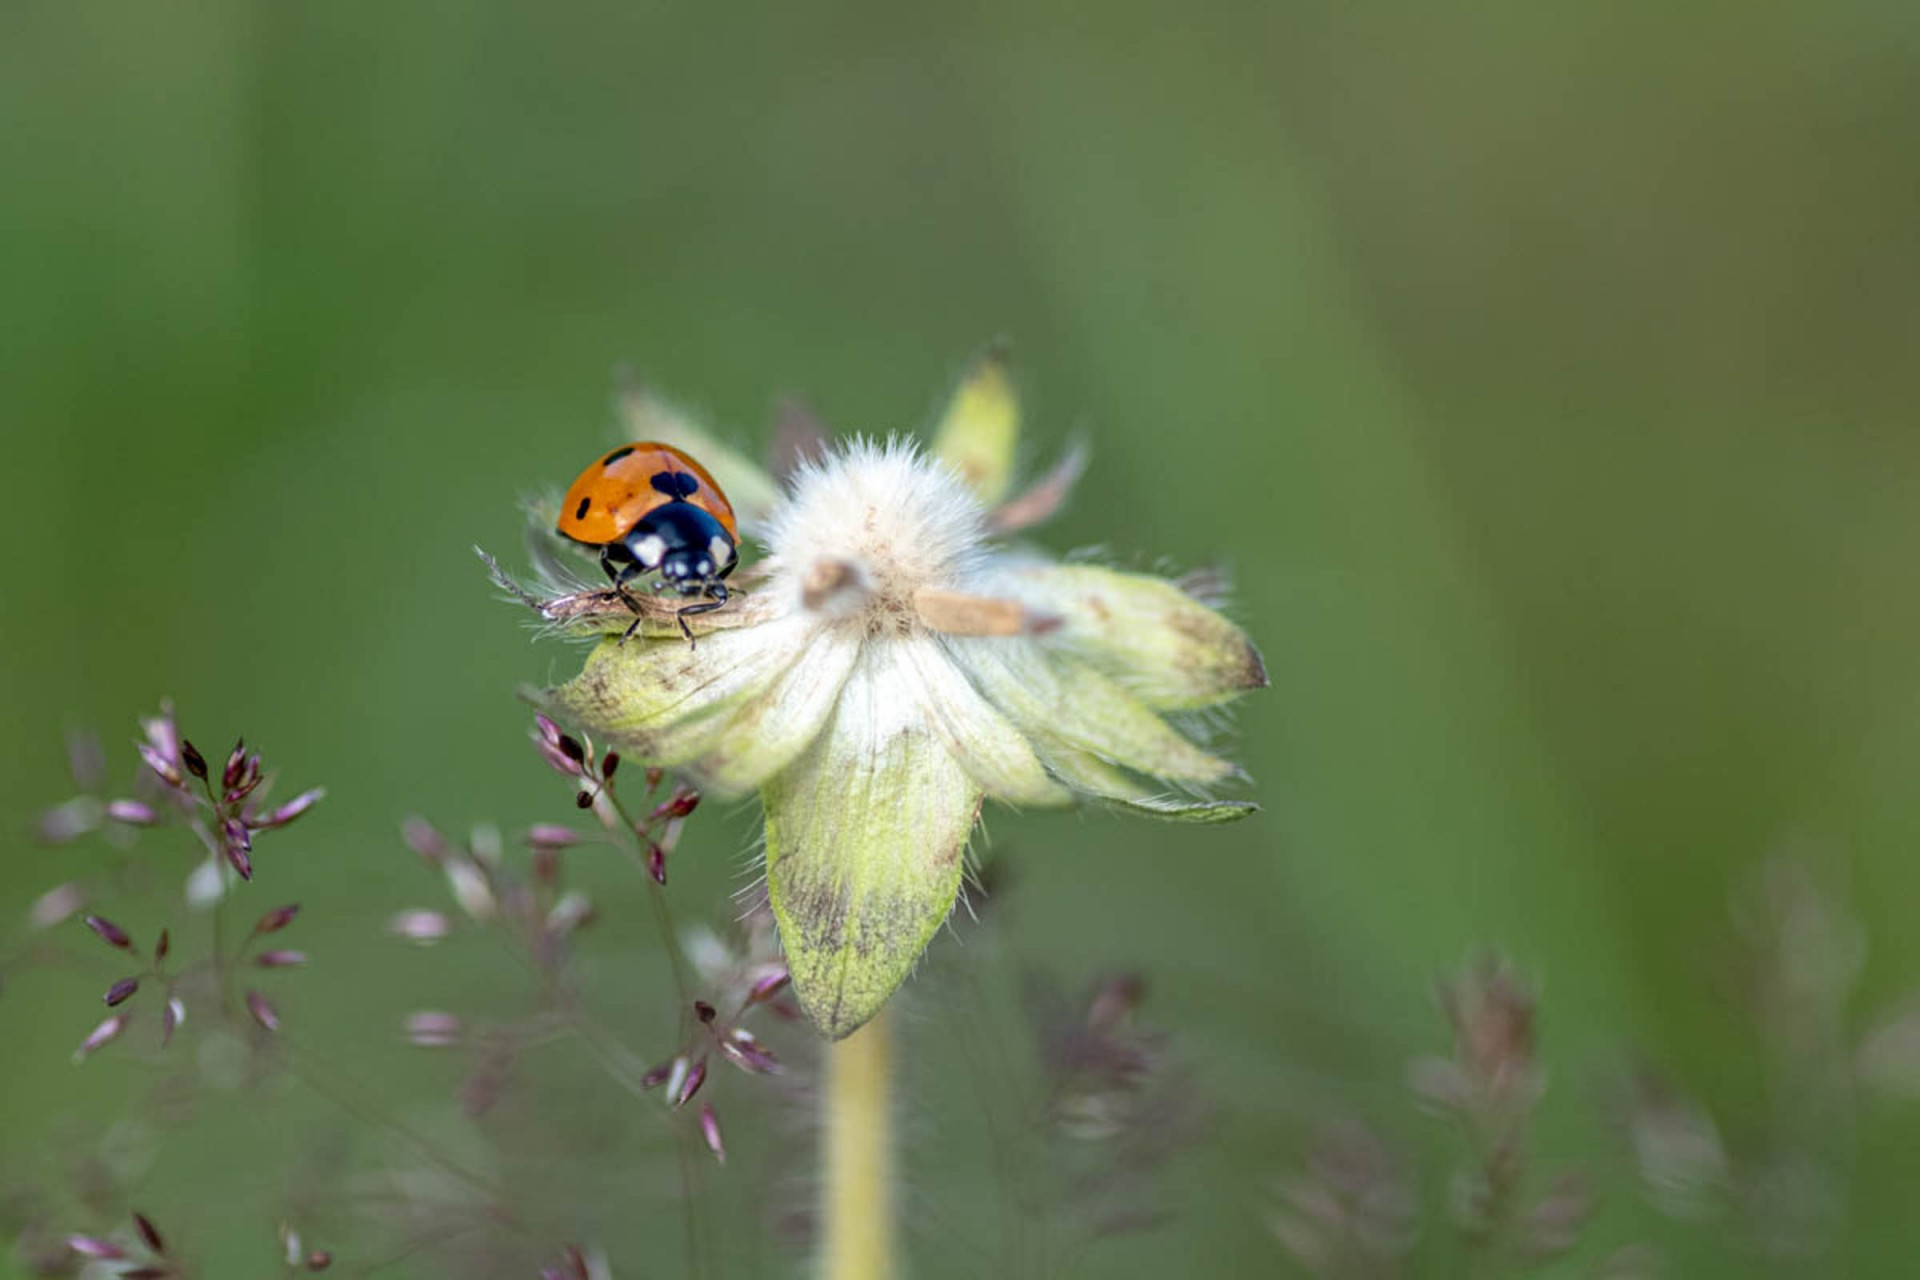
x,y
1546,375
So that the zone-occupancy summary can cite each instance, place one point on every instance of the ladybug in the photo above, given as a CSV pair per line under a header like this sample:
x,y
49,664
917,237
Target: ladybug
x,y
647,508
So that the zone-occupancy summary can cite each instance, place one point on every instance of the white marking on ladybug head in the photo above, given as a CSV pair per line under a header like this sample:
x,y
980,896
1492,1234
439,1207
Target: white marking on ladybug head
x,y
720,549
649,551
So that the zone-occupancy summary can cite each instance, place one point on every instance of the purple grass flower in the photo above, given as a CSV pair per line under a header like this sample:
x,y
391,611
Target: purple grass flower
x,y
263,1012
132,812
102,1035
432,1029
421,926
120,992
682,802
277,919
710,1130
424,839
280,959
236,762
68,822
470,889
657,1076
656,862
86,760
548,741
769,986
239,859
573,910
695,1077
196,764
237,844
292,809
162,765
149,1233
742,1048
163,735
550,835
95,1247
162,945
110,932
56,905
170,1018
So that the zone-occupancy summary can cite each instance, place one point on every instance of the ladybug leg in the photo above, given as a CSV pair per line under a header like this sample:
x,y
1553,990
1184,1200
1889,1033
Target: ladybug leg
x,y
619,573
716,596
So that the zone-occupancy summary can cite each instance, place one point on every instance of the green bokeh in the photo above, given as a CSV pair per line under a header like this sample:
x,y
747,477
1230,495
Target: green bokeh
x,y
1545,374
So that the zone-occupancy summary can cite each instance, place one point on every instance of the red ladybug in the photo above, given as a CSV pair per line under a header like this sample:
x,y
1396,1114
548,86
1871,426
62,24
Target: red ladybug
x,y
647,507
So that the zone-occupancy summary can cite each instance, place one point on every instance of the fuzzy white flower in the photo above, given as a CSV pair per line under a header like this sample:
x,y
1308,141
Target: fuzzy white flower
x,y
888,667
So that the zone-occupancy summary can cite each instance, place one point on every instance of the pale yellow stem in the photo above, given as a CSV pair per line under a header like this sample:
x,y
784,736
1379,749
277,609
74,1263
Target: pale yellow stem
x,y
857,1236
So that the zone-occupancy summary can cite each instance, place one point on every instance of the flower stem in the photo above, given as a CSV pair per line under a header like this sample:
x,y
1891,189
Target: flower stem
x,y
857,1242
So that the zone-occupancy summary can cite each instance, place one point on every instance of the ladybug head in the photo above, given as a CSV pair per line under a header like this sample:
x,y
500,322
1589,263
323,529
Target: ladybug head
x,y
688,570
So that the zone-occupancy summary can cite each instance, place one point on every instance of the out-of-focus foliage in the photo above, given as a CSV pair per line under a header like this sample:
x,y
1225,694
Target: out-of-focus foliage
x,y
1544,374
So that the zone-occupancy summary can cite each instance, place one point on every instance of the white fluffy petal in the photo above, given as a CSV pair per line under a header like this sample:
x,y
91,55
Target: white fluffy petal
x,y
992,751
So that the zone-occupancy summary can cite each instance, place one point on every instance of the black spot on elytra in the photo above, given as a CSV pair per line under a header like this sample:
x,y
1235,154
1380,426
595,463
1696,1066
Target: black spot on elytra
x,y
580,512
616,455
675,484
